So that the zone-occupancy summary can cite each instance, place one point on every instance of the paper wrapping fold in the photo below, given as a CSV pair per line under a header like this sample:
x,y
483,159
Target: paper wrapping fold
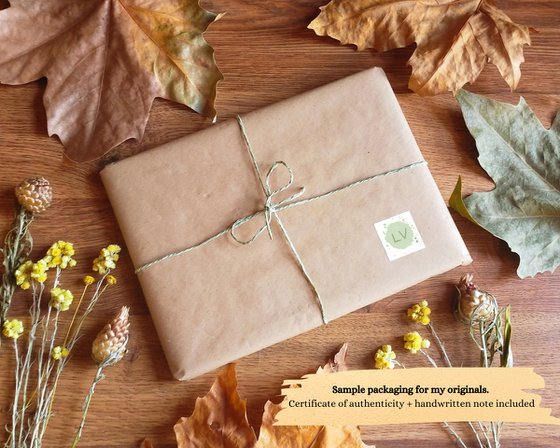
x,y
224,300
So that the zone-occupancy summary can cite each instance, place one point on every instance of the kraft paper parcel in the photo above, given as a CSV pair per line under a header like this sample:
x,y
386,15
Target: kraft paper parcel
x,y
224,300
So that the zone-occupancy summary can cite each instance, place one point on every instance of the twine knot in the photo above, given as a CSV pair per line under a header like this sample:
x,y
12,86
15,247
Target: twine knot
x,y
270,207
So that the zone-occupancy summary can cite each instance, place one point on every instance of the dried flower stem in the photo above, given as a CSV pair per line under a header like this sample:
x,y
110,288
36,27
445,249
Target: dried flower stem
x,y
72,336
12,439
451,431
429,358
440,344
98,377
17,245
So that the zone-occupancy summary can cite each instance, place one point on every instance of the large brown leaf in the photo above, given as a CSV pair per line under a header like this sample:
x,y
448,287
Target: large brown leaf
x,y
455,38
219,419
106,61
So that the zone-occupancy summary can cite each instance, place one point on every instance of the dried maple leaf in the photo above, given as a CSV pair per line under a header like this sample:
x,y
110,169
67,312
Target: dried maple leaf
x,y
106,61
523,159
218,419
310,436
305,436
455,38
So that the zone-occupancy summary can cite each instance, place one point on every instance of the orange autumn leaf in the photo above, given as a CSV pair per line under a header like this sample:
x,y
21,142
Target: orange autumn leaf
x,y
106,61
455,38
219,419
146,444
305,436
309,436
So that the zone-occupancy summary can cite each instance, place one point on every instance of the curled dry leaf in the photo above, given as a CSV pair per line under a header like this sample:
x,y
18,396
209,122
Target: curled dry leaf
x,y
218,419
338,363
106,61
455,38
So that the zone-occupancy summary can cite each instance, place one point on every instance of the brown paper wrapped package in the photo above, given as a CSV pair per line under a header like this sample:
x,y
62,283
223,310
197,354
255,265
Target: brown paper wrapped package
x,y
224,300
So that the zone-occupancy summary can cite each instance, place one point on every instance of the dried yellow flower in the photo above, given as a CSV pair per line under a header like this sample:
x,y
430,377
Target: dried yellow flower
x,y
88,280
385,357
34,194
39,271
110,344
12,329
60,255
23,275
59,353
111,280
413,342
61,299
107,259
420,312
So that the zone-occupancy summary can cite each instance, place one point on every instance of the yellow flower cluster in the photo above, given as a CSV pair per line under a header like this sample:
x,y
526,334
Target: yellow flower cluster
x,y
12,329
60,255
385,357
23,274
61,299
420,312
107,259
59,353
413,342
31,271
39,271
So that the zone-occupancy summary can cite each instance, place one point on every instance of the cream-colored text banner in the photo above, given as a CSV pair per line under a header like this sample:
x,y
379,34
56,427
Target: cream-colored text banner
x,y
371,397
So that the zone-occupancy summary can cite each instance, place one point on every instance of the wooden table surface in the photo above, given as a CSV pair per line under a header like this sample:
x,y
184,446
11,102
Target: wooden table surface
x,y
267,54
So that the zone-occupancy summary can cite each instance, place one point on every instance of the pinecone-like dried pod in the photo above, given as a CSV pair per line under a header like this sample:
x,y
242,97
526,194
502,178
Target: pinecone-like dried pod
x,y
110,344
35,194
474,304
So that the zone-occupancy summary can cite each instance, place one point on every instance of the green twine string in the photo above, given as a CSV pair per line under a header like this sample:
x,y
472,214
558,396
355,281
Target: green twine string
x,y
270,212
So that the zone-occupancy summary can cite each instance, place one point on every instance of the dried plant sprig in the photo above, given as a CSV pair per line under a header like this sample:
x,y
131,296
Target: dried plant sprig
x,y
34,397
420,313
34,196
490,329
107,349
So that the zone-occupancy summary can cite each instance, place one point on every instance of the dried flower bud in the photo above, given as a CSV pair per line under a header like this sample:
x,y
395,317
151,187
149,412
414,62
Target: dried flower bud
x,y
35,194
110,344
474,304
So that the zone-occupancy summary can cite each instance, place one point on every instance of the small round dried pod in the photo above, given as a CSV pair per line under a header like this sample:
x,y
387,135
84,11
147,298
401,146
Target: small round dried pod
x,y
35,194
474,304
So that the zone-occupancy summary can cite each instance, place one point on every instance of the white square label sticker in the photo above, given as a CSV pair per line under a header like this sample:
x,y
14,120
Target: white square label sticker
x,y
399,235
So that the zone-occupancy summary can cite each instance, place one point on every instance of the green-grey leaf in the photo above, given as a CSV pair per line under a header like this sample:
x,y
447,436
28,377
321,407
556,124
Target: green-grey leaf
x,y
523,159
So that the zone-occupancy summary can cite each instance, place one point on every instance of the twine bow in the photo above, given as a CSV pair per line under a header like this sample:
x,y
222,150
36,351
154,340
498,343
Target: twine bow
x,y
270,207
270,211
